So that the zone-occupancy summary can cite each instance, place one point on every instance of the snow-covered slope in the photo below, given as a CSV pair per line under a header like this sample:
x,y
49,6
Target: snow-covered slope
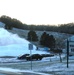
x,y
13,45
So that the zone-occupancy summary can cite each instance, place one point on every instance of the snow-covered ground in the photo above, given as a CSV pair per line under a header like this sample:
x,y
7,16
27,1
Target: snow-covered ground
x,y
43,67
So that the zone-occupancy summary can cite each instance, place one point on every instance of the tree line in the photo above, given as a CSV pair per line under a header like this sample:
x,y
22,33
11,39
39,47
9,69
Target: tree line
x,y
11,23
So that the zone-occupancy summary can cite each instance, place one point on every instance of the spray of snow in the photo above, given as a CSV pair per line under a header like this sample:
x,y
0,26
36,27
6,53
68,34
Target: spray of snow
x,y
13,45
7,38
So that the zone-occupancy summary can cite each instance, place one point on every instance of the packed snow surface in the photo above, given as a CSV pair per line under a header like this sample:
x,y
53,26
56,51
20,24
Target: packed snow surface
x,y
13,45
43,67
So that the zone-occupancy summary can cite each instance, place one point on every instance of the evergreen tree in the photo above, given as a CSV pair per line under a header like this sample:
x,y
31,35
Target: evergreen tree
x,y
42,39
48,41
52,41
32,36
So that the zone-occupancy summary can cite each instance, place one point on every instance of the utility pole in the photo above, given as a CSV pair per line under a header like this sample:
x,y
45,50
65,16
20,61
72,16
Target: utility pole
x,y
31,52
67,53
31,48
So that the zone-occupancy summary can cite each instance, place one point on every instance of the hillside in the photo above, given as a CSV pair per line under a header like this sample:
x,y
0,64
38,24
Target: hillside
x,y
60,37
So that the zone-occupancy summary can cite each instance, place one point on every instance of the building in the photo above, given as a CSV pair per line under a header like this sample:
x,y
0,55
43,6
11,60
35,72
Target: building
x,y
70,45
